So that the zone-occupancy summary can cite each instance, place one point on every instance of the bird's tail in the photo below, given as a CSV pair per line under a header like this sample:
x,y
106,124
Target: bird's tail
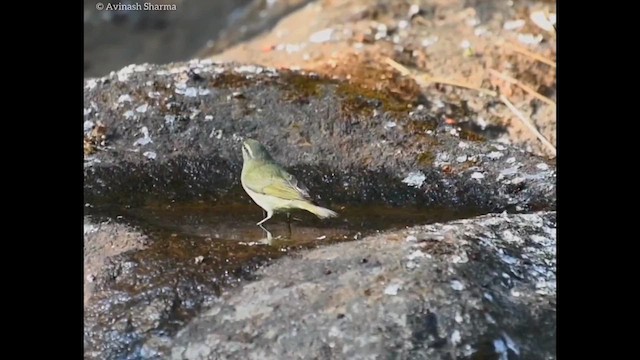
x,y
317,210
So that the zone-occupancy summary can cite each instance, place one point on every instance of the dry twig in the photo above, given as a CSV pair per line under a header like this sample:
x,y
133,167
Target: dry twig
x,y
427,79
424,79
528,124
522,86
531,54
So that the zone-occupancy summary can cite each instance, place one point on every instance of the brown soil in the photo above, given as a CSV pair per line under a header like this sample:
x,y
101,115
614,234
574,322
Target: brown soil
x,y
431,43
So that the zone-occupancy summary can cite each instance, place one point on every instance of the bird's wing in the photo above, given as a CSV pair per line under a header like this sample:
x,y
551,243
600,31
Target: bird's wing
x,y
275,181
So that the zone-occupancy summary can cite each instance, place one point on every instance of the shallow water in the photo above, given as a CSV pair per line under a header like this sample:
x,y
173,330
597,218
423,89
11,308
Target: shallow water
x,y
198,248
236,223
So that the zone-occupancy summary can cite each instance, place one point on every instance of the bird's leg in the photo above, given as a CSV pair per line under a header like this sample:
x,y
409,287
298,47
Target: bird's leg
x,y
269,215
289,224
269,237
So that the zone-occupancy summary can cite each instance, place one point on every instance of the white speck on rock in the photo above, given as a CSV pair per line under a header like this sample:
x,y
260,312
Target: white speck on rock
x,y
392,289
454,132
481,31
321,36
411,238
542,21
198,259
142,108
291,48
513,24
455,337
390,125
477,175
540,239
194,113
488,296
473,22
87,111
169,120
529,39
149,155
507,172
494,155
128,114
542,166
518,180
489,318
88,229
501,349
457,285
515,293
382,31
203,92
91,83
190,92
208,118
511,344
465,44
249,69
461,159
442,158
509,259
88,125
458,318
413,10
463,258
217,133
416,254
429,41
509,237
463,145
415,179
511,160
123,98
335,332
145,139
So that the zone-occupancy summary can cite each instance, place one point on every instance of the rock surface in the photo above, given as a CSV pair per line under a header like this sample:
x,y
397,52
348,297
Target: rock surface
x,y
102,241
141,288
481,288
175,131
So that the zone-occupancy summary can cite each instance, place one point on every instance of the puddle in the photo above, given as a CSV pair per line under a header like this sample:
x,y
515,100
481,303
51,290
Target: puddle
x,y
235,224
199,248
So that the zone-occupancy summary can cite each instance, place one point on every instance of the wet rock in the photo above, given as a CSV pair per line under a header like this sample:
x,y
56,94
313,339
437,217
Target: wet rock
x,y
139,289
103,241
332,135
478,288
335,138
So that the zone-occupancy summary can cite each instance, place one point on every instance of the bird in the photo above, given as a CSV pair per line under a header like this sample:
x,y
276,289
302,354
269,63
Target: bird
x,y
271,187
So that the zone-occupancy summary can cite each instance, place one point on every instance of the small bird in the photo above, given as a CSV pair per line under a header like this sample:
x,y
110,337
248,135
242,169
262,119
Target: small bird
x,y
272,187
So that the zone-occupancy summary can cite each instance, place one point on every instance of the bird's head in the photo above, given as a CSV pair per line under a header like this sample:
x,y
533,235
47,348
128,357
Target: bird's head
x,y
253,150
